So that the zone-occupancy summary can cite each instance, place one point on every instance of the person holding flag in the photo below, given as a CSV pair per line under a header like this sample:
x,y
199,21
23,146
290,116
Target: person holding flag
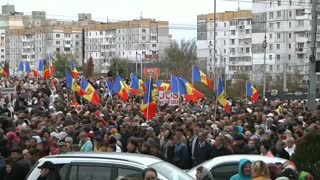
x,y
149,105
222,96
74,71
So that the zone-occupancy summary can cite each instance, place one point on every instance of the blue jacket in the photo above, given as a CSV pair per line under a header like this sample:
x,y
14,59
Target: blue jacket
x,y
240,175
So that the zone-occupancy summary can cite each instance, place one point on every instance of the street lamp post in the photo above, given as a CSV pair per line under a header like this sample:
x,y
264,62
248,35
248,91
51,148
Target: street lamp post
x,y
264,45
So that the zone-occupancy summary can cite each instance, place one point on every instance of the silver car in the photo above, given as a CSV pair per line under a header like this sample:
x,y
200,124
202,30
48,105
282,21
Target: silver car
x,y
108,166
224,167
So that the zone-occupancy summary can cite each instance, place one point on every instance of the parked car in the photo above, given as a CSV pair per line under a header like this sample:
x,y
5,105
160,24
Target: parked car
x,y
224,167
106,166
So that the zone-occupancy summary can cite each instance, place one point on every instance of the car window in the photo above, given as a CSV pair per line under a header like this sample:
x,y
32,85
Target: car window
x,y
225,171
61,168
126,172
84,172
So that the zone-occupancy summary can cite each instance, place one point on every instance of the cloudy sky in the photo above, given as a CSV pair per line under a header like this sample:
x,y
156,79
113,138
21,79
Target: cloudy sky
x,y
181,14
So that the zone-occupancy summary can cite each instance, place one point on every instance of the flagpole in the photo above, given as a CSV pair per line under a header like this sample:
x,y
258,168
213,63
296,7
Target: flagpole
x,y
192,74
246,94
216,107
150,76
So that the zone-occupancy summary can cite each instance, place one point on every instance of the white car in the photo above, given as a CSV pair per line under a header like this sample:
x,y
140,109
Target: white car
x,y
106,166
224,167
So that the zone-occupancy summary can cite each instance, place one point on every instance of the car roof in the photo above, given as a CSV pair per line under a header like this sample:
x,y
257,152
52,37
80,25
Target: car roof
x,y
141,159
236,158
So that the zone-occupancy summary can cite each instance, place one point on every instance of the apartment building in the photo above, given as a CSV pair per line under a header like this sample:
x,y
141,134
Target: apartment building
x,y
137,40
233,42
286,26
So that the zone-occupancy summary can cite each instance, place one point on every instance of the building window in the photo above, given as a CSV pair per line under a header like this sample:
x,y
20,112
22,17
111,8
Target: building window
x,y
300,12
270,36
278,35
270,47
270,25
154,45
2,50
300,23
247,50
278,25
300,56
248,31
270,57
232,41
144,38
224,42
289,57
289,24
270,68
279,3
278,57
290,35
278,14
144,30
289,46
57,42
290,14
154,38
278,67
58,49
57,35
278,46
225,33
143,53
270,15
233,32
225,24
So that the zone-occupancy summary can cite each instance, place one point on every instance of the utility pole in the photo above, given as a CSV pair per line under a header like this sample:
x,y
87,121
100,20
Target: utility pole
x,y
83,50
285,77
264,45
312,58
215,44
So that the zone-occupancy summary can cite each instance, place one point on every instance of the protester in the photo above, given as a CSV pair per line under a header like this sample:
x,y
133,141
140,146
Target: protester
x,y
149,174
260,171
203,174
48,172
244,171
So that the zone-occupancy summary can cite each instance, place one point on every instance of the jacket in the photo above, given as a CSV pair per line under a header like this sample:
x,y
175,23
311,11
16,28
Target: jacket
x,y
202,153
240,175
20,169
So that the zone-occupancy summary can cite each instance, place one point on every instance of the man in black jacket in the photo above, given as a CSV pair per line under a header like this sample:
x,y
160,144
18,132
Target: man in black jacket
x,y
239,147
48,172
204,150
21,166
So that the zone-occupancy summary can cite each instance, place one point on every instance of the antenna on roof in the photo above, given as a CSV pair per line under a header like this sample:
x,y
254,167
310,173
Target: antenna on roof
x,y
141,15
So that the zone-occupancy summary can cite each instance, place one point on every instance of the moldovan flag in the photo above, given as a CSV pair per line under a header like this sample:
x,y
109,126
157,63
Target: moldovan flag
x,y
135,84
120,88
252,92
73,85
199,76
149,105
163,86
35,73
222,96
3,72
74,71
192,95
91,94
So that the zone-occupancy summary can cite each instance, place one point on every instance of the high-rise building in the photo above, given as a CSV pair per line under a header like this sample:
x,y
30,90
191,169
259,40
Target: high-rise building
x,y
233,43
286,27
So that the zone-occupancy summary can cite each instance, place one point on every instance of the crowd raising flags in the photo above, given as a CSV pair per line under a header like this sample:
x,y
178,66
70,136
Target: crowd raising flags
x,y
74,71
252,92
3,72
149,104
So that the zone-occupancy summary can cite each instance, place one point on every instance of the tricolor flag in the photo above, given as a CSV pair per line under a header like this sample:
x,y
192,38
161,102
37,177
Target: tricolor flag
x,y
120,88
3,72
193,95
222,96
149,105
177,86
74,71
91,94
42,63
163,86
35,73
252,92
73,85
135,85
199,76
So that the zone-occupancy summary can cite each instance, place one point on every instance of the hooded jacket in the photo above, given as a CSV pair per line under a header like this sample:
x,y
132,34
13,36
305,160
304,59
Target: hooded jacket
x,y
240,175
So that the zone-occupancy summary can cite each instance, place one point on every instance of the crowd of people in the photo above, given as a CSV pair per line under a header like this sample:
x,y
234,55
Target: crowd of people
x,y
44,118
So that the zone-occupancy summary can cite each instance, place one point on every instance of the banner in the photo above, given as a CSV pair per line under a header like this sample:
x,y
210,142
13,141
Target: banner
x,y
154,71
7,90
166,97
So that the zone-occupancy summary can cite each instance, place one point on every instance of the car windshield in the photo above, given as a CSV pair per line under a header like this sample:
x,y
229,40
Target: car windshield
x,y
170,172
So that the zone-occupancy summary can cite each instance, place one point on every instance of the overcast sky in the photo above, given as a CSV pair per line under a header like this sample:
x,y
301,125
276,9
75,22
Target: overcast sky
x,y
181,14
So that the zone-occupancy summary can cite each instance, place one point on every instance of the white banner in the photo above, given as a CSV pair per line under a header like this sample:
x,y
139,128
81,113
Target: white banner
x,y
7,90
166,97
